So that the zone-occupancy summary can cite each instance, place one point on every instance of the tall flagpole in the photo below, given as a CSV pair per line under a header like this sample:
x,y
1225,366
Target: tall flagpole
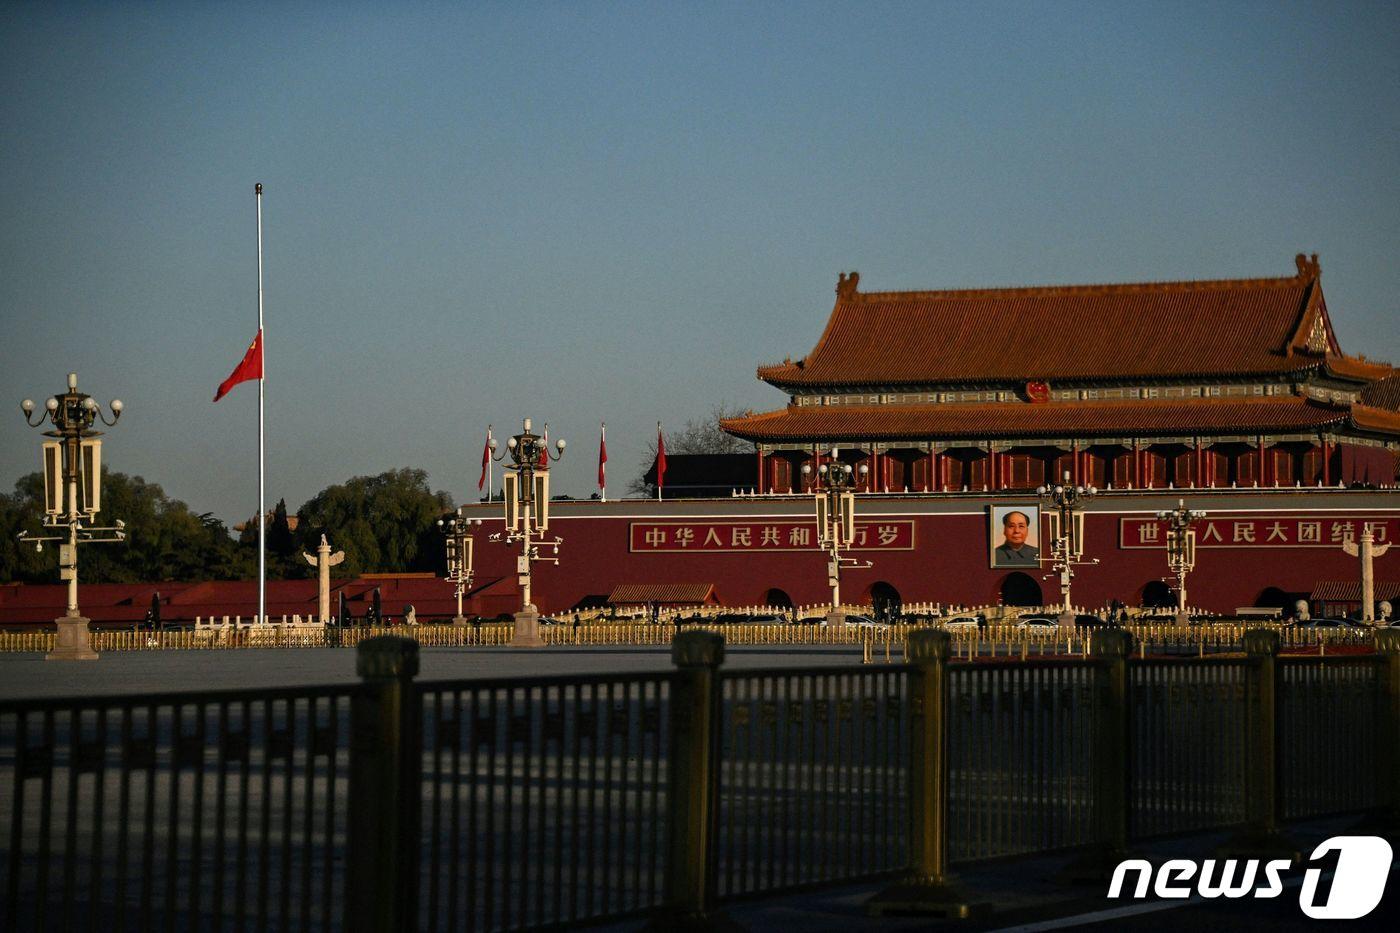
x,y
490,471
602,466
262,514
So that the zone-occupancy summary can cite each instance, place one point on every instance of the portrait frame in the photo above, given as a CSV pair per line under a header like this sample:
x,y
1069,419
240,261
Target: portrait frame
x,y
997,557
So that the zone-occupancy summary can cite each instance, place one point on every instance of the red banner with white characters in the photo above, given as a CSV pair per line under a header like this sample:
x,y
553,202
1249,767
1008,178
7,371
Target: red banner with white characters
x,y
1271,531
704,537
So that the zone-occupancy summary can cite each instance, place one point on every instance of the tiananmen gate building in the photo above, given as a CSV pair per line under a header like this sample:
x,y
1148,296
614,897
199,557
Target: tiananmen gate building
x,y
1177,384
1234,395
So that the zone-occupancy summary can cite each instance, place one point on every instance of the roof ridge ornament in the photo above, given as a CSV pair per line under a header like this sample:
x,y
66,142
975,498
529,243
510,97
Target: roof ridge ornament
x,y
1308,268
846,284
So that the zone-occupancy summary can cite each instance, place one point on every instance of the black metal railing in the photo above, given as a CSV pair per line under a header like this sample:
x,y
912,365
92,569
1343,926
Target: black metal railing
x,y
1020,751
544,801
1329,742
1189,734
548,802
813,777
211,812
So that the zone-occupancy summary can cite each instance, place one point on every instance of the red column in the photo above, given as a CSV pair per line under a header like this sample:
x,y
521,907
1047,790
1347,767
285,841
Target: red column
x,y
935,481
993,481
1200,463
760,472
1137,467
1263,464
817,468
1326,463
1075,460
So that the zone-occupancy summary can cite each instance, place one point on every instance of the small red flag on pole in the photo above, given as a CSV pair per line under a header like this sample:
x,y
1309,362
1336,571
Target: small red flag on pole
x,y
251,367
660,459
544,450
485,459
603,460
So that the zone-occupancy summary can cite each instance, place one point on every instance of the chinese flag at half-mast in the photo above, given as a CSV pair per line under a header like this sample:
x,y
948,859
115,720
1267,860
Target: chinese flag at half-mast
x,y
660,457
603,457
251,367
485,458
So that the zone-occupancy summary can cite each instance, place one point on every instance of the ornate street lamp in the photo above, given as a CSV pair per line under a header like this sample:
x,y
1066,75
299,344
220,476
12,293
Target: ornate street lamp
x,y
72,498
525,491
459,558
836,524
1181,550
1064,504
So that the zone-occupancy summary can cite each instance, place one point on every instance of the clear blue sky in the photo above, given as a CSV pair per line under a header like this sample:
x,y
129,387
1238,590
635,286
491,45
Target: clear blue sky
x,y
585,211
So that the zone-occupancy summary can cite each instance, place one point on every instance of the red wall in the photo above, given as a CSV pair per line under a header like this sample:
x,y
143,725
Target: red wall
x,y
950,561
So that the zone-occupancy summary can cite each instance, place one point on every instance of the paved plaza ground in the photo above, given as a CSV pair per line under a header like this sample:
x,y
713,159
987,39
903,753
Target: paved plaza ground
x,y
122,672
1021,896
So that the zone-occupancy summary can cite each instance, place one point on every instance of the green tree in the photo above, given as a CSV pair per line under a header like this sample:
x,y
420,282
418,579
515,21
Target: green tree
x,y
164,539
384,523
23,511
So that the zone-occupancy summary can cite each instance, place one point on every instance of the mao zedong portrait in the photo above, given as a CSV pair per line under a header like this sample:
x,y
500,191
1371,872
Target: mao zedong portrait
x,y
1014,551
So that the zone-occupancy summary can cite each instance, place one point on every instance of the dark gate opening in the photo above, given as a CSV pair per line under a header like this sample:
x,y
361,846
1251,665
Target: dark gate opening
x,y
1020,589
884,600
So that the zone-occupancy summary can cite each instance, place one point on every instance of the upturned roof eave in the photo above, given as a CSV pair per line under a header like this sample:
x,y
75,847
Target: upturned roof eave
x,y
1302,365
755,428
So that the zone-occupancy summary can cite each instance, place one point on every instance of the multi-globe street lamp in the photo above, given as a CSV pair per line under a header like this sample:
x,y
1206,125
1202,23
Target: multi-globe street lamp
x,y
459,557
1064,502
836,523
72,498
1181,550
525,492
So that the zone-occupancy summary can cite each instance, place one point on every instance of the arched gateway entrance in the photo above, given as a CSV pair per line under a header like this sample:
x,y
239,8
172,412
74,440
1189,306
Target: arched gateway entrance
x,y
1020,589
884,600
778,599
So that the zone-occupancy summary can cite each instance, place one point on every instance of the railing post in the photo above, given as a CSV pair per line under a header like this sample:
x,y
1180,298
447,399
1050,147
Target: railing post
x,y
927,888
1387,738
1110,776
384,797
693,798
1261,837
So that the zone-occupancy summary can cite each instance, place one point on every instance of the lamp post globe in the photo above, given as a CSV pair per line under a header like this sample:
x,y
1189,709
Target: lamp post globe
x,y
1181,551
835,503
73,474
1066,500
526,502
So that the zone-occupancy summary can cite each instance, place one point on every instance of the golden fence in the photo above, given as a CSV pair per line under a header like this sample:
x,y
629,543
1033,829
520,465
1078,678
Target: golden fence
x,y
880,641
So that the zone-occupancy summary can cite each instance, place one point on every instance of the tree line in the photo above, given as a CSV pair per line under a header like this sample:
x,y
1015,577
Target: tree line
x,y
384,524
